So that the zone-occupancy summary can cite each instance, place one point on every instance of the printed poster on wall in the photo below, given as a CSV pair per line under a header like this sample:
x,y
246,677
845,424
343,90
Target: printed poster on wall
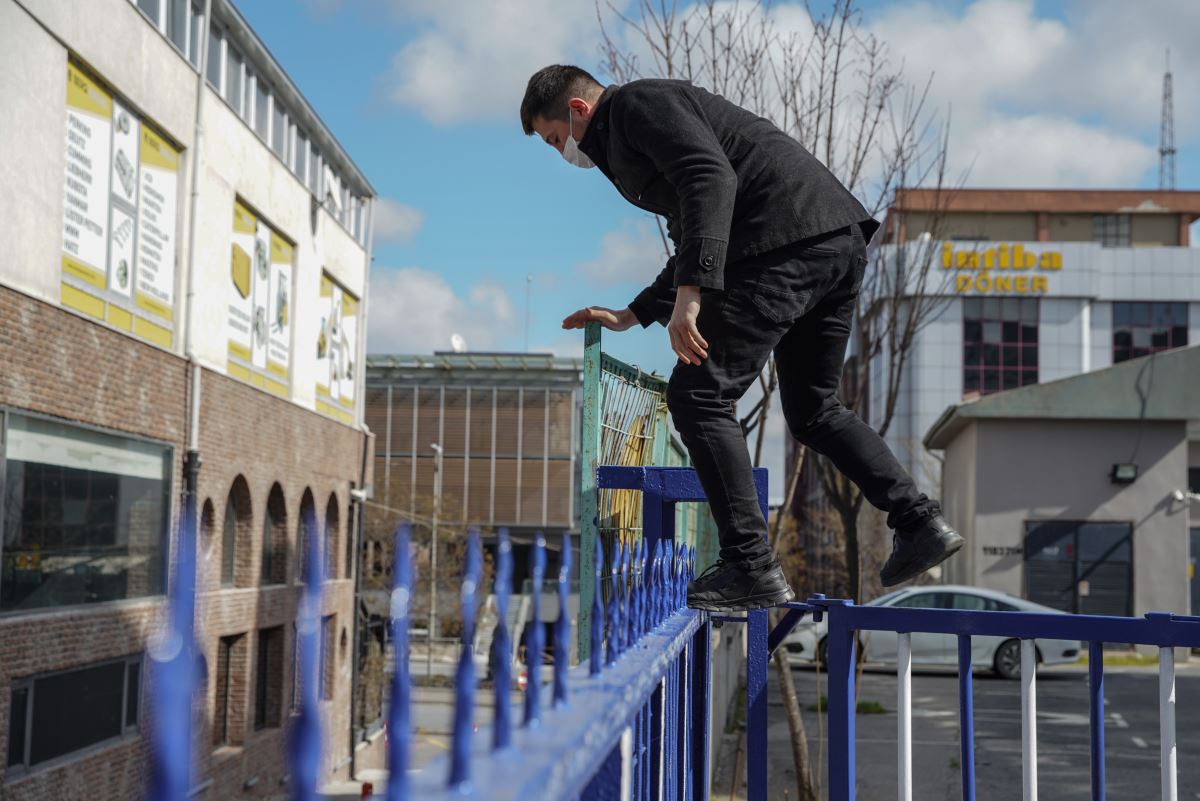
x,y
120,213
258,319
336,350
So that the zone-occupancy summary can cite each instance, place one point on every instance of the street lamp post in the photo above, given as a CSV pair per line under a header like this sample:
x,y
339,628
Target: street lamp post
x,y
437,507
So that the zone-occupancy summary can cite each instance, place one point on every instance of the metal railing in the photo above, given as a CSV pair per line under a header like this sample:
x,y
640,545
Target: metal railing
x,y
845,621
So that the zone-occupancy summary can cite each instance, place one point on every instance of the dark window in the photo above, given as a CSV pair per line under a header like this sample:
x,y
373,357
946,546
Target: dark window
x,y
1140,329
214,57
194,37
151,9
268,686
1080,566
55,715
1111,230
925,600
979,603
229,542
274,539
262,108
1000,344
229,707
1194,479
328,626
85,516
177,23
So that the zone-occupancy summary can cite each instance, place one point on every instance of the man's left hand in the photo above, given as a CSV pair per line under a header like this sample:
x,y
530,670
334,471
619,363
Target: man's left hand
x,y
689,346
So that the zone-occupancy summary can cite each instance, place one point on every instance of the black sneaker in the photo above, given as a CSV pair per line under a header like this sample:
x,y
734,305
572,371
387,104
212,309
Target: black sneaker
x,y
916,550
733,586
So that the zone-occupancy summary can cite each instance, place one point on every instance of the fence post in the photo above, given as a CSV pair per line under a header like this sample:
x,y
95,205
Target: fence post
x,y
1029,719
756,704
701,650
840,651
399,721
590,460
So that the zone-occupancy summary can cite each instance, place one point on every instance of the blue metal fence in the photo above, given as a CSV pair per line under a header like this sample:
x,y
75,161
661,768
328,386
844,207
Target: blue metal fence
x,y
632,721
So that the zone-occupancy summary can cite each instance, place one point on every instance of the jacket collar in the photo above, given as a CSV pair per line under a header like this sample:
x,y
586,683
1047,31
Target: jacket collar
x,y
595,139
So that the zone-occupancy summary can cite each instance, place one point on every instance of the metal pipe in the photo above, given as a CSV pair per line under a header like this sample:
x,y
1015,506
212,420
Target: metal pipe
x,y
433,542
904,716
966,716
1096,696
1029,720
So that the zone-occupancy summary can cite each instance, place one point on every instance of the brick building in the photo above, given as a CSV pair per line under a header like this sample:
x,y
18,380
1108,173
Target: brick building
x,y
184,276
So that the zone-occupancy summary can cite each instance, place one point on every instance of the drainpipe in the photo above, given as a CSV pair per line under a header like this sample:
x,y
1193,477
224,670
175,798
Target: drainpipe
x,y
360,495
192,462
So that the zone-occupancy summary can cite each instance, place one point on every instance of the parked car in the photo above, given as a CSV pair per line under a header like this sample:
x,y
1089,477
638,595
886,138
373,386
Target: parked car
x,y
806,642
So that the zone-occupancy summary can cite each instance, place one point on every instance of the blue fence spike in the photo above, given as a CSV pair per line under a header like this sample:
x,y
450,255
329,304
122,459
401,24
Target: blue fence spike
x,y
173,666
614,608
464,679
534,639
502,645
631,635
562,626
623,638
399,719
597,633
647,560
638,597
304,740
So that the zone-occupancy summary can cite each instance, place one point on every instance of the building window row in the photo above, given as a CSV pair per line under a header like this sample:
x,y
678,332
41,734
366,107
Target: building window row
x,y
1143,328
1000,344
234,77
237,538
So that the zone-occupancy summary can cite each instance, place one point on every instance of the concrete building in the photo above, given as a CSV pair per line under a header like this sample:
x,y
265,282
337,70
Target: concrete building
x,y
1029,286
183,287
1075,493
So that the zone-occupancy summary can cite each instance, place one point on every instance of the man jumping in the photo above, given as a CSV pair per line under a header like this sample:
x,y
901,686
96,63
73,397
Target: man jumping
x,y
770,251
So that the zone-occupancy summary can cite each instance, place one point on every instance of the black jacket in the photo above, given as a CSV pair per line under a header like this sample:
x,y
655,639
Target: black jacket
x,y
730,184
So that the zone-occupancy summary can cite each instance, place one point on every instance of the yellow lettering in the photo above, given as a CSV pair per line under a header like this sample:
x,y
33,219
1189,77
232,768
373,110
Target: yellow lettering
x,y
973,260
984,283
1038,283
1003,283
963,283
1003,259
1021,284
989,258
960,259
947,255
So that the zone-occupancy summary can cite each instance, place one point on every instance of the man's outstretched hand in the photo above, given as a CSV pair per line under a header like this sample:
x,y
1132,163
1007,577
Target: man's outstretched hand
x,y
689,346
611,319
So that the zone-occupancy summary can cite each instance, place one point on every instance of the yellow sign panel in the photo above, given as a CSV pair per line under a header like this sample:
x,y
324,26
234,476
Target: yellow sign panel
x,y
157,153
85,94
999,269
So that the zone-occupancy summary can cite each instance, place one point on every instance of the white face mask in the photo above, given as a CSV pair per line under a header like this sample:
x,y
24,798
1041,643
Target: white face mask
x,y
571,151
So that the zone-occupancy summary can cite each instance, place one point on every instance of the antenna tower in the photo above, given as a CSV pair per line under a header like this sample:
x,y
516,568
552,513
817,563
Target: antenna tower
x,y
1166,142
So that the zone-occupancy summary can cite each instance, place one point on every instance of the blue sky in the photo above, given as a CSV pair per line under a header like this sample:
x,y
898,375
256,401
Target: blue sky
x,y
423,94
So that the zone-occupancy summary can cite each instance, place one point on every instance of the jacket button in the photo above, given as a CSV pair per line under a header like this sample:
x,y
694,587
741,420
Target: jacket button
x,y
708,261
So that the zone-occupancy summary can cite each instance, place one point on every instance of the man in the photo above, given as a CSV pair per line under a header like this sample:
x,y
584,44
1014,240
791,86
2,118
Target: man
x,y
769,255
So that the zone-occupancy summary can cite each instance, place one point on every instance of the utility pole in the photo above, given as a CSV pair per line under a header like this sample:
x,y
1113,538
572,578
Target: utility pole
x,y
1166,141
433,541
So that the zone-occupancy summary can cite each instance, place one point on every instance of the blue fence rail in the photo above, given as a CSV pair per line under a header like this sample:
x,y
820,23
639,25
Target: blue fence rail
x,y
632,721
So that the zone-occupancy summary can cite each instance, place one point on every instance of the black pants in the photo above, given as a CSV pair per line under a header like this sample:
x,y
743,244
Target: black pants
x,y
798,301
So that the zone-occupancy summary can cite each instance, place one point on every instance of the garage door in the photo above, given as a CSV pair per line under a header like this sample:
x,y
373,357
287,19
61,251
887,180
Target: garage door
x,y
1080,566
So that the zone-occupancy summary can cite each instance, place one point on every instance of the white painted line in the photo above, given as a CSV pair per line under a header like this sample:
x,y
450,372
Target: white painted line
x,y
1139,742
1118,721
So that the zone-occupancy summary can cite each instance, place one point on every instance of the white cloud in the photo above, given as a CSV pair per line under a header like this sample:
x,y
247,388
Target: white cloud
x,y
631,254
471,59
415,311
395,221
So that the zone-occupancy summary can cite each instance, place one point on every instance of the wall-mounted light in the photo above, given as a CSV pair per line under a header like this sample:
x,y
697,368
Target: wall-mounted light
x,y
1123,473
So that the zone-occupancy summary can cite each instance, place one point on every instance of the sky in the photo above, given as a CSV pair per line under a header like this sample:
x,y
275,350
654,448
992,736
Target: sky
x,y
474,217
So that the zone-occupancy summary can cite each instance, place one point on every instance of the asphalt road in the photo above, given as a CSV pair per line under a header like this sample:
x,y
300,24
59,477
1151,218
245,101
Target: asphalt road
x,y
1064,772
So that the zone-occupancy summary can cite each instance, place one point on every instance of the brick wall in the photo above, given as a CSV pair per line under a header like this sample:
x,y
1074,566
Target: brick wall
x,y
59,364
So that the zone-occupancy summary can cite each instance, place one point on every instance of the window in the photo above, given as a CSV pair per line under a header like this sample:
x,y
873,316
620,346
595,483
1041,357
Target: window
x,y
274,539
151,8
1111,230
329,542
215,67
1140,329
228,543
978,603
1000,344
278,129
925,600
262,109
227,716
314,173
268,681
328,627
233,78
197,21
55,715
85,516
300,164
177,23
308,517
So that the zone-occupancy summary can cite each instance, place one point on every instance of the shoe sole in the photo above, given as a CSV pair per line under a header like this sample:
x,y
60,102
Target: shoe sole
x,y
762,601
929,560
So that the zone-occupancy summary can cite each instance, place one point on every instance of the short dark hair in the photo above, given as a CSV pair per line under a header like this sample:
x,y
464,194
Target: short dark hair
x,y
549,90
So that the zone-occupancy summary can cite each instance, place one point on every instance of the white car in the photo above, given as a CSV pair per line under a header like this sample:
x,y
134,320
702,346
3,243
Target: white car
x,y
806,642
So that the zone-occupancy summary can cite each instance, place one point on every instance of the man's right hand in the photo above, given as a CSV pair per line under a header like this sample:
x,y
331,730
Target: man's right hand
x,y
611,319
